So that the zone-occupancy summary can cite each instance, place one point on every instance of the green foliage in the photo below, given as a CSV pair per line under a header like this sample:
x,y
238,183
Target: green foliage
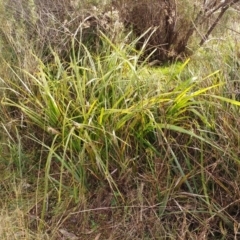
x,y
101,138
103,118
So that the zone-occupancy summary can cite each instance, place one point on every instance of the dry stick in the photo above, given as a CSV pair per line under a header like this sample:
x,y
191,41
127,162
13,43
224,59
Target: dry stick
x,y
213,25
224,6
232,30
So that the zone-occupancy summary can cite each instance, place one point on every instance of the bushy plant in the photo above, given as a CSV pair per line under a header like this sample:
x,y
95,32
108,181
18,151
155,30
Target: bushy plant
x,y
97,144
36,27
104,117
175,23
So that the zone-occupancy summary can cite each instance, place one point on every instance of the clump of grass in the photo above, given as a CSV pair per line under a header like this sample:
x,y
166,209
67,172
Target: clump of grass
x,y
98,145
13,226
134,139
17,195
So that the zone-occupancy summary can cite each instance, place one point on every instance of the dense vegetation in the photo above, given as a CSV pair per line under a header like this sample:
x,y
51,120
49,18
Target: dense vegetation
x,y
97,142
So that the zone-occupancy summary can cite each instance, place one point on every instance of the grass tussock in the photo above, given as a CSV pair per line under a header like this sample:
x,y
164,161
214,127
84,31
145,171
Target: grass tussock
x,y
99,145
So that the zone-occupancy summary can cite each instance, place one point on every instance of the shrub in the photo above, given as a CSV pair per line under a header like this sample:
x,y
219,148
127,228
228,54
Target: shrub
x,y
175,23
39,27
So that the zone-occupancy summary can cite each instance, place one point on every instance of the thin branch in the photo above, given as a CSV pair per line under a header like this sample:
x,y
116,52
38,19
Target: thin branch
x,y
205,37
